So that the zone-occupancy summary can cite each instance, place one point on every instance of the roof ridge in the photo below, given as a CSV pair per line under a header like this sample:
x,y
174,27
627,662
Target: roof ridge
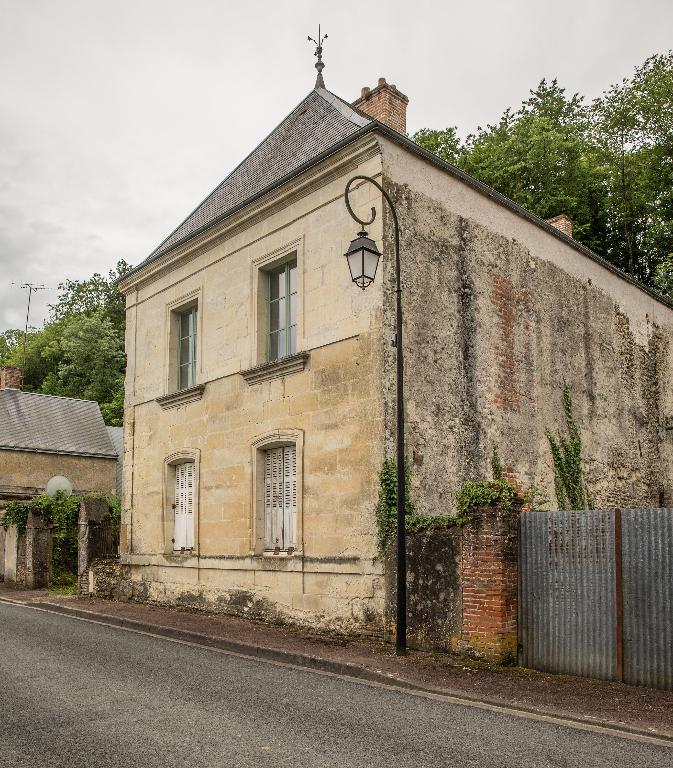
x,y
349,112
45,394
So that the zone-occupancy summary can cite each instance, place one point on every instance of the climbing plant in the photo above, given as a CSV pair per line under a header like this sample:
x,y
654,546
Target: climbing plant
x,y
386,508
569,484
62,512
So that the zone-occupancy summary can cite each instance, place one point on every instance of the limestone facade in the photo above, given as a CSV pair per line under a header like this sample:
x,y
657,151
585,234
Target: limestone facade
x,y
25,473
499,311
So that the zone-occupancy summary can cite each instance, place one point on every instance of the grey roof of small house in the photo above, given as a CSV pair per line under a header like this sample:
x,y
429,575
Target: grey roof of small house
x,y
321,121
117,438
48,424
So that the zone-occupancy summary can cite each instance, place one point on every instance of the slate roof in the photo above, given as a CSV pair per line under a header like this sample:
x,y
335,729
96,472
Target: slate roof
x,y
48,424
320,122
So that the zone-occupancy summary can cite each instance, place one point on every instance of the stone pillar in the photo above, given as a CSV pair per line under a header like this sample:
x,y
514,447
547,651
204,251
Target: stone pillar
x,y
490,584
92,514
38,551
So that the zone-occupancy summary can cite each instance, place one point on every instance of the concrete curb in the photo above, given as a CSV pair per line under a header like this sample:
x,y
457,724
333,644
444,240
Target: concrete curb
x,y
343,669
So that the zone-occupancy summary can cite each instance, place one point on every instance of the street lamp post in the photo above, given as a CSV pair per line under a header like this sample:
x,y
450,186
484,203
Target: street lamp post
x,y
363,258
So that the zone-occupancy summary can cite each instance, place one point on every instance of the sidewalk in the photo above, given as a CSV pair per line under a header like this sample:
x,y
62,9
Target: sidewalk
x,y
631,708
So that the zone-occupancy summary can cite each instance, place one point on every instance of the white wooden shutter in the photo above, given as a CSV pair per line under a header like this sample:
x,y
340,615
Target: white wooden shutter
x,y
184,506
268,501
280,497
189,504
273,523
289,494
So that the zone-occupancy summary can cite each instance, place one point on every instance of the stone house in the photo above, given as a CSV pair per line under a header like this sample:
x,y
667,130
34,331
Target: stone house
x,y
260,393
42,436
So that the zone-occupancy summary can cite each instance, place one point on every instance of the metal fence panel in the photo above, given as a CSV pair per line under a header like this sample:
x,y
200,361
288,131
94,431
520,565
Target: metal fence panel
x,y
567,592
647,548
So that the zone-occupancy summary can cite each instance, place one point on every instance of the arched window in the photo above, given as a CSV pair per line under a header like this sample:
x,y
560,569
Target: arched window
x,y
277,482
181,501
280,498
183,506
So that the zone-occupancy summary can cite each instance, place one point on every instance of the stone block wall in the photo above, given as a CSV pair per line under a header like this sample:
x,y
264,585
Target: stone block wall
x,y
462,587
433,590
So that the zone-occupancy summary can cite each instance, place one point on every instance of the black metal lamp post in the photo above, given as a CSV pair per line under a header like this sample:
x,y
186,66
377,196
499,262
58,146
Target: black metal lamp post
x,y
363,258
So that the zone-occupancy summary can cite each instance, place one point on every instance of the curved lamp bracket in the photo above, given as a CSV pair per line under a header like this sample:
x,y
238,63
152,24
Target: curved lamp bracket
x,y
348,205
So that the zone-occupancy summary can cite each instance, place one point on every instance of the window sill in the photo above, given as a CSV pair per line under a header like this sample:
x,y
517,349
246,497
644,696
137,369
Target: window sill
x,y
275,369
181,397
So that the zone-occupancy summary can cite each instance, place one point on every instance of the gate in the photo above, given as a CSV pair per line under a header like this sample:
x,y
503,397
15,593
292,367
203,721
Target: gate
x,y
596,594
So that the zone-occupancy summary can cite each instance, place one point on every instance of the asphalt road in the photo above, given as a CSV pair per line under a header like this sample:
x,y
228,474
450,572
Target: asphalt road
x,y
75,693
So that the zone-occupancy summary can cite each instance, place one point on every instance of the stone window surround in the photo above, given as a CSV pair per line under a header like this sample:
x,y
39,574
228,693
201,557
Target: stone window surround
x,y
274,439
173,310
259,267
170,462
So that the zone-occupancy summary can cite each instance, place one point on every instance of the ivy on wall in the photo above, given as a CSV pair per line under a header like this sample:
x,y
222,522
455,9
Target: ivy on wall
x,y
62,512
569,484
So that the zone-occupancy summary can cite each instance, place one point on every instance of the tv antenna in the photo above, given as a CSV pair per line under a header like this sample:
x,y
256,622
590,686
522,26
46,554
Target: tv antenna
x,y
31,288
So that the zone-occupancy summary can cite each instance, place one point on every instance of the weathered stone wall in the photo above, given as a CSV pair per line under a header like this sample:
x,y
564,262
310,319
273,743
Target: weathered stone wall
x,y
433,589
29,471
498,313
333,406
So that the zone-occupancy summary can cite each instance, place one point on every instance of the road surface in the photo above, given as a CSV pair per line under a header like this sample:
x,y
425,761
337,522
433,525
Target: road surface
x,y
75,693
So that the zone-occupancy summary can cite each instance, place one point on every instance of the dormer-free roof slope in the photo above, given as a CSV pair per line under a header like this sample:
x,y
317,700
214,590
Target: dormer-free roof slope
x,y
322,121
48,424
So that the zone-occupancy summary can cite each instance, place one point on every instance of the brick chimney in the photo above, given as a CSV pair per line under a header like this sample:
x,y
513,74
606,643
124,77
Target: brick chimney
x,y
10,378
563,223
386,104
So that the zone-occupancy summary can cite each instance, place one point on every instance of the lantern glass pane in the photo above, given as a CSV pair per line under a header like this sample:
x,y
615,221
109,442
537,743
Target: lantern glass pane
x,y
370,263
355,263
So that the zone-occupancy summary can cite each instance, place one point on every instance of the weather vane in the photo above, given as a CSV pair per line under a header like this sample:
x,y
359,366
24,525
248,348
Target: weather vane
x,y
319,82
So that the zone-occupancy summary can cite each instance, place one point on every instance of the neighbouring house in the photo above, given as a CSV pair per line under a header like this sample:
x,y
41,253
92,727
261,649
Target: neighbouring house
x,y
42,436
260,388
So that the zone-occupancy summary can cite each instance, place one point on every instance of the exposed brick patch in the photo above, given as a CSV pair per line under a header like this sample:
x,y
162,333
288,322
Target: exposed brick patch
x,y
510,303
490,584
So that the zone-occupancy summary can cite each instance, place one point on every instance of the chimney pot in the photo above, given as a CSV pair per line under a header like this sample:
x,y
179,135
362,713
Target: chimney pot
x,y
563,223
10,378
382,81
365,92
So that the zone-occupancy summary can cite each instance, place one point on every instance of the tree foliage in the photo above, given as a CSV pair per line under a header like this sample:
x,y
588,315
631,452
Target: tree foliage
x,y
80,351
608,165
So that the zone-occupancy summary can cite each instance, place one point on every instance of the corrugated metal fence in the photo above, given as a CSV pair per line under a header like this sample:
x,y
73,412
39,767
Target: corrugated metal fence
x,y
596,594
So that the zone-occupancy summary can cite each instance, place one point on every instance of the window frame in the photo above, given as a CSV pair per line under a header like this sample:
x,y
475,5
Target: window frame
x,y
278,438
261,263
183,304
284,270
191,315
171,462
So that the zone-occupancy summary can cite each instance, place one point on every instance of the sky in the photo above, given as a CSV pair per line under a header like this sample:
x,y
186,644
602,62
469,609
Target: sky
x,y
118,116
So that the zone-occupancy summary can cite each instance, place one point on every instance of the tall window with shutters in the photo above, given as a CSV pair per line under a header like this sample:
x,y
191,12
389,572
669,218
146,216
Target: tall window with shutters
x,y
280,499
183,537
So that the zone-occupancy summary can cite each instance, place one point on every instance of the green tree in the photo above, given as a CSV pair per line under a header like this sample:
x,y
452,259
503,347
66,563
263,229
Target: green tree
x,y
95,295
90,356
80,351
609,166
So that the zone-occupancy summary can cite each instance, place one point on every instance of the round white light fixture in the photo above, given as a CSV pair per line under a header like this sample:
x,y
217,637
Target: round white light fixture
x,y
58,483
